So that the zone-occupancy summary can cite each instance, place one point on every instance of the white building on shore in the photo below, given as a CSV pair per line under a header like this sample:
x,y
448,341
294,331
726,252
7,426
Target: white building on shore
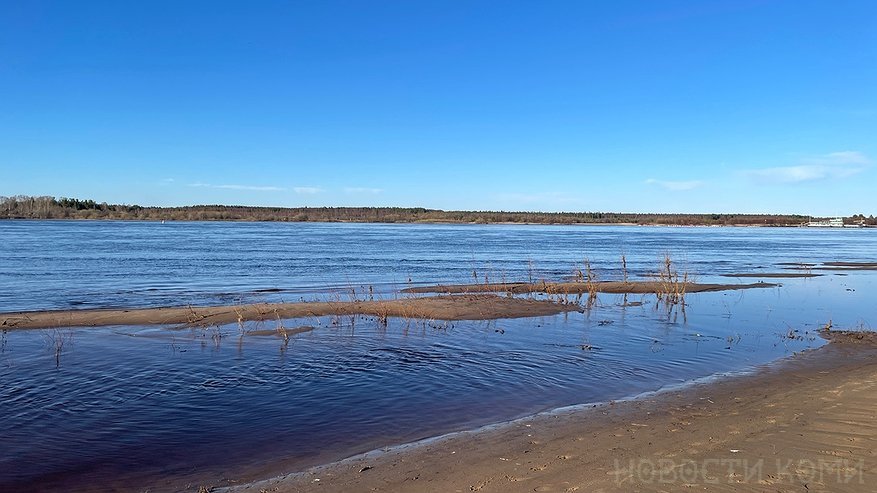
x,y
837,222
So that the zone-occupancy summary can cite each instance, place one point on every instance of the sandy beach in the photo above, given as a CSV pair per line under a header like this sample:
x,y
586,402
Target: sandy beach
x,y
806,423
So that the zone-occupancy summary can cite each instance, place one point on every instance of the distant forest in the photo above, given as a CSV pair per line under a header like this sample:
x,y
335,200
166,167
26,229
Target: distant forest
x,y
25,207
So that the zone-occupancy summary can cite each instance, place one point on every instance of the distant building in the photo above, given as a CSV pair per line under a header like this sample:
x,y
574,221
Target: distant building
x,y
837,222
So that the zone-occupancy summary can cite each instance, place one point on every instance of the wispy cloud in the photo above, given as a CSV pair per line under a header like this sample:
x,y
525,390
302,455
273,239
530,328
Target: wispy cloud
x,y
833,165
373,191
168,180
239,187
676,186
307,190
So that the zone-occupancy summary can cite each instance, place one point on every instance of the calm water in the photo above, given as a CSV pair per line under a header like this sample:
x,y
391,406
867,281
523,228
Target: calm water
x,y
131,408
48,265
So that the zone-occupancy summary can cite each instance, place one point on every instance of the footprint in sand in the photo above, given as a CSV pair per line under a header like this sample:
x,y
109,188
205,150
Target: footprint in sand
x,y
479,485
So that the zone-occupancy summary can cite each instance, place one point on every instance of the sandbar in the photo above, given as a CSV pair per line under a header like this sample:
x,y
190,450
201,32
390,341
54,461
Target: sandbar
x,y
614,287
460,307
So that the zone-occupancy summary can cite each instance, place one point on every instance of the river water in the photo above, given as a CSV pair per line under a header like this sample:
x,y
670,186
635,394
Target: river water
x,y
136,408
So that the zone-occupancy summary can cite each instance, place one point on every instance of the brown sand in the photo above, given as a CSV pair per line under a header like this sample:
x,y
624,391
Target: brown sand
x,y
465,307
806,424
615,287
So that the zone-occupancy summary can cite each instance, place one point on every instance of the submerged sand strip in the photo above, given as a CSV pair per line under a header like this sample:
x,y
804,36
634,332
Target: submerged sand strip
x,y
852,265
284,332
774,275
613,287
805,424
466,307
835,266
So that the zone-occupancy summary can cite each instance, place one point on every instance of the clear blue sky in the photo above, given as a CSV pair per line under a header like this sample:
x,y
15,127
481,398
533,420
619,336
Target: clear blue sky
x,y
671,106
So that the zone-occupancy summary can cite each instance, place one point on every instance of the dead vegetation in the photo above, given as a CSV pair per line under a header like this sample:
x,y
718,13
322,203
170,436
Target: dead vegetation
x,y
671,288
58,341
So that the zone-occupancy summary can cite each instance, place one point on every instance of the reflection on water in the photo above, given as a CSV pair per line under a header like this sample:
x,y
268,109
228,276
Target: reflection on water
x,y
136,407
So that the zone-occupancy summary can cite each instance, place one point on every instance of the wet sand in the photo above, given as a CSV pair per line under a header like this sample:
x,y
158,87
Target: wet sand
x,y
463,302
613,287
807,423
853,265
835,266
464,307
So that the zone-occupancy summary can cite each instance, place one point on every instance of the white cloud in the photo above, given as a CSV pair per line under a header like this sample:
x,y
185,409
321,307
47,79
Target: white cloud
x,y
676,186
307,190
373,191
832,165
168,180
795,174
842,158
239,187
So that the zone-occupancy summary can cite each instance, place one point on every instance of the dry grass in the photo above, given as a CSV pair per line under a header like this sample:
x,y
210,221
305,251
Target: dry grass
x,y
281,331
193,318
240,314
591,281
670,286
589,278
623,268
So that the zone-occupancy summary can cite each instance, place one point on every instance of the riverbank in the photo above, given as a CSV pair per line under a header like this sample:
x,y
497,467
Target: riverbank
x,y
803,424
23,207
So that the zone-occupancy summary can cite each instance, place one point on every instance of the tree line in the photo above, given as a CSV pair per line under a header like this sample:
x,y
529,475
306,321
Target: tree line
x,y
45,207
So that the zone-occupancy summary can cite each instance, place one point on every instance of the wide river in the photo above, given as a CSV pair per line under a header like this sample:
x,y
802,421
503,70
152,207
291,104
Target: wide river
x,y
131,408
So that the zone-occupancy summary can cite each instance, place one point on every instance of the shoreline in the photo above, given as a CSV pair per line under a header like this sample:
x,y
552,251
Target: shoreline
x,y
436,223
736,418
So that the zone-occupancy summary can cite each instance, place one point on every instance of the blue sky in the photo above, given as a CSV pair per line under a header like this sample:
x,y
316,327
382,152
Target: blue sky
x,y
672,106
